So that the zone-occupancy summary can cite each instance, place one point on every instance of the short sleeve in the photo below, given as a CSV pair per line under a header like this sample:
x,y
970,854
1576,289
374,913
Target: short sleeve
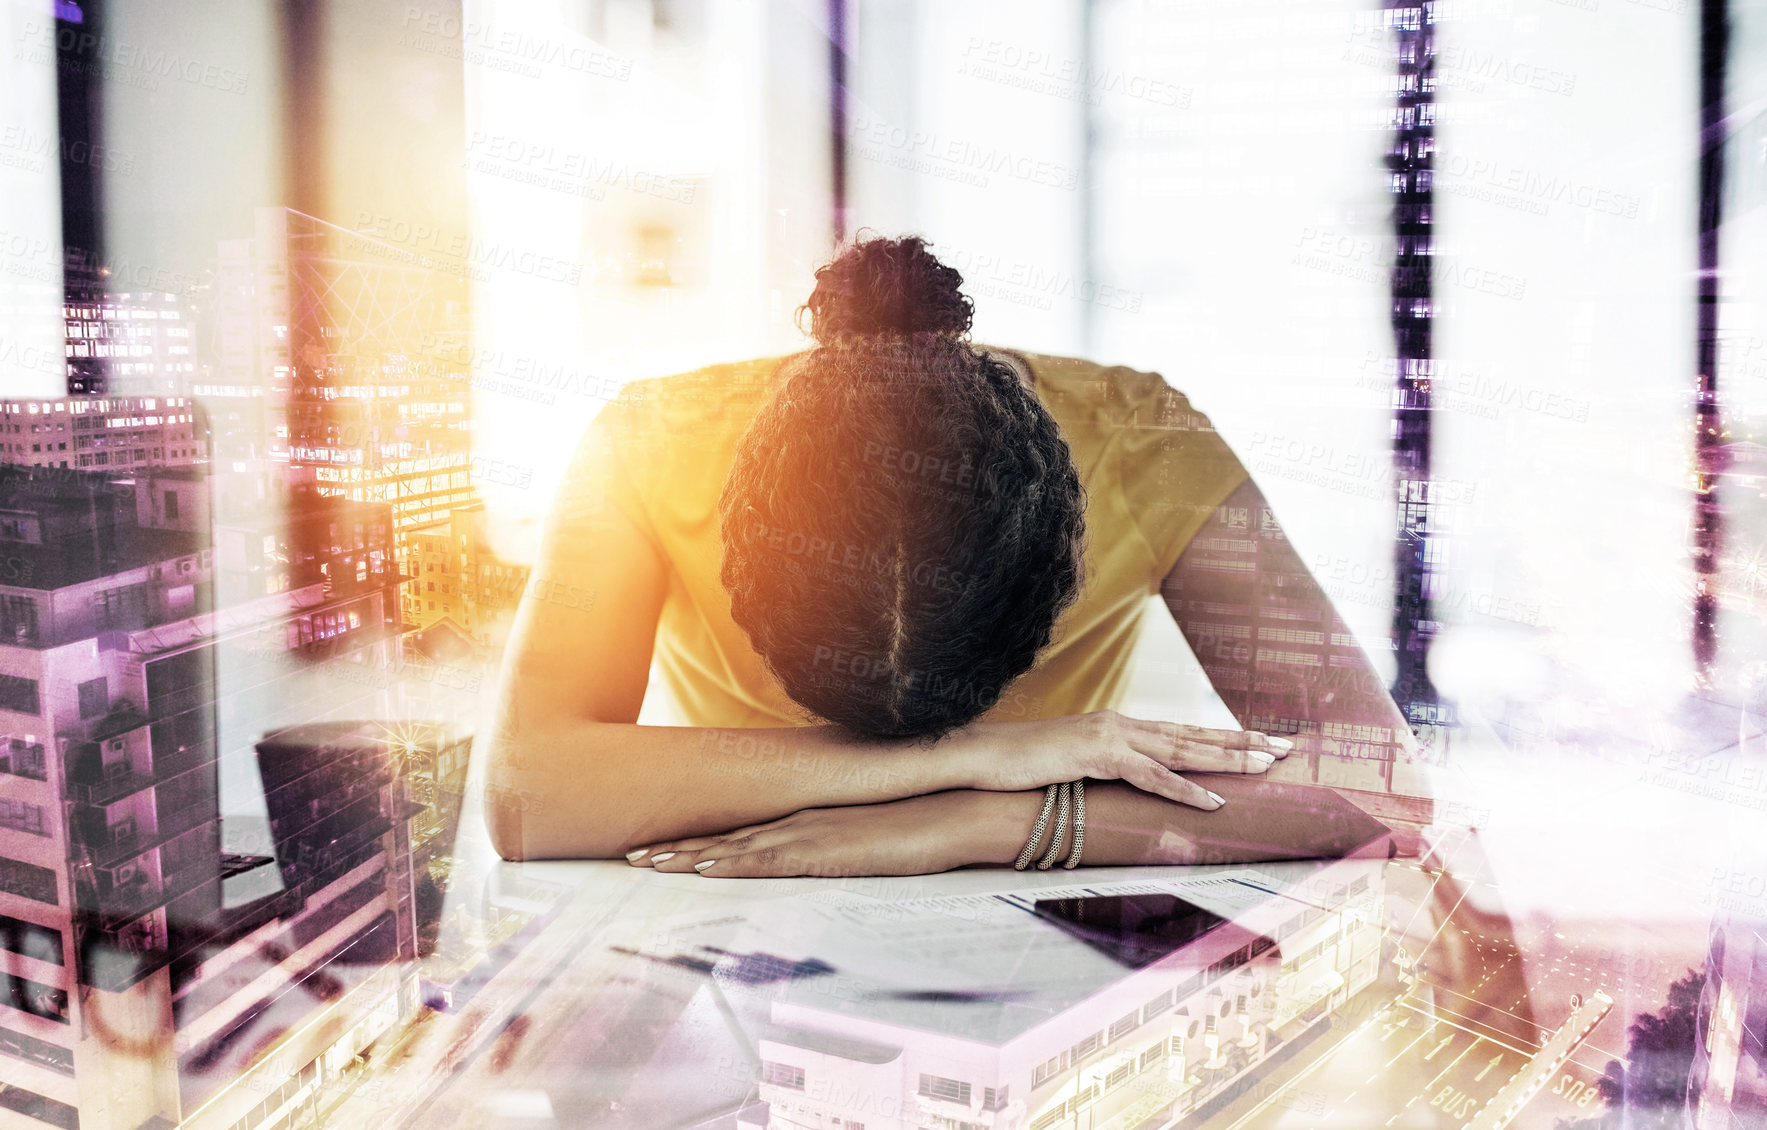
x,y
598,480
1174,468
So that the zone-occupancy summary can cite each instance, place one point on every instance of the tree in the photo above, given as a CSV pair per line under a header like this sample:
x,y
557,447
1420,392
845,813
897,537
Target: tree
x,y
1649,1090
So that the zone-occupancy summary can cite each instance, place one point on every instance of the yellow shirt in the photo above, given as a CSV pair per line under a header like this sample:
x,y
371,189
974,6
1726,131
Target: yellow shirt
x,y
1152,466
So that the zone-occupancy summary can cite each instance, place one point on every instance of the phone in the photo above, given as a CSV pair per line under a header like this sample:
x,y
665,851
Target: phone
x,y
1135,930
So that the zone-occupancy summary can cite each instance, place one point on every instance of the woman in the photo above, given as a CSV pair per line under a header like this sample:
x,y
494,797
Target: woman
x,y
894,583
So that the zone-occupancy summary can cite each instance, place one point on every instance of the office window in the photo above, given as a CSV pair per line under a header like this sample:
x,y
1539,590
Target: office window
x,y
1156,1006
19,694
1118,1076
94,697
783,1075
1087,1046
1047,1071
939,1087
1153,1055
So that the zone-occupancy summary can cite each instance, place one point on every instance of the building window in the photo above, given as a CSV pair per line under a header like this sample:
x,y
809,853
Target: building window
x,y
94,697
41,1052
994,1098
28,881
1156,1006
1125,1025
121,607
19,694
1153,1055
22,817
1050,1118
23,759
1120,1075
1087,1046
171,506
38,942
784,1075
939,1087
18,619
46,1001
1047,1071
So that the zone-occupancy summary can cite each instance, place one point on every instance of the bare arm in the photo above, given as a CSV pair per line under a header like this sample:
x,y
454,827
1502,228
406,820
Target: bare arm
x,y
1252,628
597,784
1124,826
1284,661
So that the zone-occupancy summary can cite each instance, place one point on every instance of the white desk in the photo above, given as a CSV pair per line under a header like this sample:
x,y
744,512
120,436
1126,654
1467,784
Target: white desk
x,y
1386,994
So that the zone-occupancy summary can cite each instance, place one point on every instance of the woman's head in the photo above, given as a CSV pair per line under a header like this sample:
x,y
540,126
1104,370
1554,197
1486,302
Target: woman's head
x,y
903,522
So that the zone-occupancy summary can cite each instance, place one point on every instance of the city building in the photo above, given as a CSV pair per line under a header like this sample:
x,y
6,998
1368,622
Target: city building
x,y
115,434
333,358
146,960
1181,1012
128,344
457,578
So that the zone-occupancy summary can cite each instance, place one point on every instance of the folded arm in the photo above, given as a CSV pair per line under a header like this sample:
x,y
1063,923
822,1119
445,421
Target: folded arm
x,y
594,784
1124,826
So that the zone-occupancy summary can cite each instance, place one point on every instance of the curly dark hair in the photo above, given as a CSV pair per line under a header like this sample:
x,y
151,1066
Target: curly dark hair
x,y
903,525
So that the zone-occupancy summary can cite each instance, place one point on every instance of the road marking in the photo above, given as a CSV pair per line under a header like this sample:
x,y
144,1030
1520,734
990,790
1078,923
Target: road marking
x,y
1450,1067
1446,1040
1496,1061
1470,1032
1413,1043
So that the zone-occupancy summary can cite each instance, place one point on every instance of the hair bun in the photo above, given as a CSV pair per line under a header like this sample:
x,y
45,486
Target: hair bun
x,y
890,287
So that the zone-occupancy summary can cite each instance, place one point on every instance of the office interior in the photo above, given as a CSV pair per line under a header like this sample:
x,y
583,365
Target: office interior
x,y
305,305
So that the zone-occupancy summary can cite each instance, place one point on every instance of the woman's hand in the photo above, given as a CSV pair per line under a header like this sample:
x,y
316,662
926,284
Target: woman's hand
x,y
917,836
1106,745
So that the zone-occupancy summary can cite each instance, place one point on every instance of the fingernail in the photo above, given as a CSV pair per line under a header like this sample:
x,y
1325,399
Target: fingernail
x,y
1217,798
663,856
636,854
703,864
1281,743
1263,758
